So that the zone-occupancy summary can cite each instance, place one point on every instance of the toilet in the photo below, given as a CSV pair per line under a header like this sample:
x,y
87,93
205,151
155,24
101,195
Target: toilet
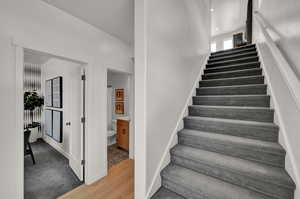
x,y
111,133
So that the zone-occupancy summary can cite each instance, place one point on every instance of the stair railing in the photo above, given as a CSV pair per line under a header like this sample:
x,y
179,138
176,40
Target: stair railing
x,y
289,75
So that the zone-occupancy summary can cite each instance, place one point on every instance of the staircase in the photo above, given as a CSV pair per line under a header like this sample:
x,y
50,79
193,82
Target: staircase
x,y
229,147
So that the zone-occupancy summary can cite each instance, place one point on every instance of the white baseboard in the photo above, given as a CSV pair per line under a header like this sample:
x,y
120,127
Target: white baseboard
x,y
165,160
55,145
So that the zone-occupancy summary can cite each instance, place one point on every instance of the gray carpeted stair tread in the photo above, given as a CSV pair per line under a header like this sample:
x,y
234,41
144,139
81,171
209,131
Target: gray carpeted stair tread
x,y
164,193
225,54
237,50
269,180
237,107
233,100
244,80
232,74
256,145
248,129
273,175
233,61
240,55
195,185
253,123
257,89
243,66
269,153
259,114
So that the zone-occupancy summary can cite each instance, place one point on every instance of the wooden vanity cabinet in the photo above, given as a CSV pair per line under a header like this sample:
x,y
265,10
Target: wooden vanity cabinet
x,y
123,134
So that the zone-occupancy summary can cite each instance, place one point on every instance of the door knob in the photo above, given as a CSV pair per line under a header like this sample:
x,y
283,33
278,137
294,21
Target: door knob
x,y
68,123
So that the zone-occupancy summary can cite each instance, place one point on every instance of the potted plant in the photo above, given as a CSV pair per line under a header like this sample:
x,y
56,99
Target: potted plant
x,y
32,101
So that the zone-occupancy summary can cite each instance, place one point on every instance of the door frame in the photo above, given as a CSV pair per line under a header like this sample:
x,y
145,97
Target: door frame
x,y
20,47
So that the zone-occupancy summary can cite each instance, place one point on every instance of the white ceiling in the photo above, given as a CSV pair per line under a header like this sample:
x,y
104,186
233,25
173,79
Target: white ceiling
x,y
228,16
115,17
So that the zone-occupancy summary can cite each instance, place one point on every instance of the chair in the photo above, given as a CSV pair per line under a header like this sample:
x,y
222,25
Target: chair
x,y
27,146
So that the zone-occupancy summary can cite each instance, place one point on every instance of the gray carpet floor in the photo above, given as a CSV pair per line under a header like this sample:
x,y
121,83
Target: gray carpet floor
x,y
115,155
50,177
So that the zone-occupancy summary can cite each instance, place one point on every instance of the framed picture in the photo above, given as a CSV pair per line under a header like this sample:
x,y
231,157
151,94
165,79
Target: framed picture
x,y
54,124
119,109
48,93
48,122
57,96
57,129
119,94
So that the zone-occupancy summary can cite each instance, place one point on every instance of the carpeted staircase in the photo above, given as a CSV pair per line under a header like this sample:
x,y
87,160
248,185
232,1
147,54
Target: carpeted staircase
x,y
229,147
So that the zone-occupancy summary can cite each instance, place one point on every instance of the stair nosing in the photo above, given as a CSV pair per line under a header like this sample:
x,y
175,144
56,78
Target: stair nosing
x,y
245,122
235,55
221,96
235,71
229,66
239,48
240,59
232,86
212,61
235,139
232,107
232,78
292,186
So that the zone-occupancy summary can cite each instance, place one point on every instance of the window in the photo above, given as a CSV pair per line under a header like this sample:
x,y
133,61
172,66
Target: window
x,y
213,47
228,44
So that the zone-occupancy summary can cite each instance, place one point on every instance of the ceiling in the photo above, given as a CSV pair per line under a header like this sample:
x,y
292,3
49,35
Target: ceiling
x,y
228,15
115,17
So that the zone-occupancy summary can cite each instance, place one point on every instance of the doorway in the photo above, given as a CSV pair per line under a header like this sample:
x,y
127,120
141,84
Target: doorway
x,y
119,117
55,161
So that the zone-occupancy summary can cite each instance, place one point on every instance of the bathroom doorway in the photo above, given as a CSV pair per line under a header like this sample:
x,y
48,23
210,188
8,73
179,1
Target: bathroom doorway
x,y
119,117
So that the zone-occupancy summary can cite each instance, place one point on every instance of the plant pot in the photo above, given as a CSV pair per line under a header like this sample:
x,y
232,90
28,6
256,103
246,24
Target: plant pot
x,y
34,135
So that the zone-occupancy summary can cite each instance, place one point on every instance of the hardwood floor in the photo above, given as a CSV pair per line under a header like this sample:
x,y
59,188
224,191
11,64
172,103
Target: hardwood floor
x,y
118,184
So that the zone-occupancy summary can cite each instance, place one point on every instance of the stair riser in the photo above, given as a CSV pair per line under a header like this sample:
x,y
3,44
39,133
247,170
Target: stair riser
x,y
231,82
241,151
190,194
225,54
243,73
265,133
181,190
232,68
254,90
227,175
255,101
166,194
237,56
231,62
259,115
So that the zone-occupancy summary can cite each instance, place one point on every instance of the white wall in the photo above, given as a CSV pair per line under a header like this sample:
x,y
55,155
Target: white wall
x,y
283,26
178,35
286,113
219,39
39,26
68,71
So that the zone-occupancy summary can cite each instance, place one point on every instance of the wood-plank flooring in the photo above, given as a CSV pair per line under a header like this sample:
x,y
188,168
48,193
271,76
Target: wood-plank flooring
x,y
118,184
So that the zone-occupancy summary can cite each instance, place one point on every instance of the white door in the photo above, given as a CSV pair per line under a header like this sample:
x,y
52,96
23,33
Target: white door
x,y
76,107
